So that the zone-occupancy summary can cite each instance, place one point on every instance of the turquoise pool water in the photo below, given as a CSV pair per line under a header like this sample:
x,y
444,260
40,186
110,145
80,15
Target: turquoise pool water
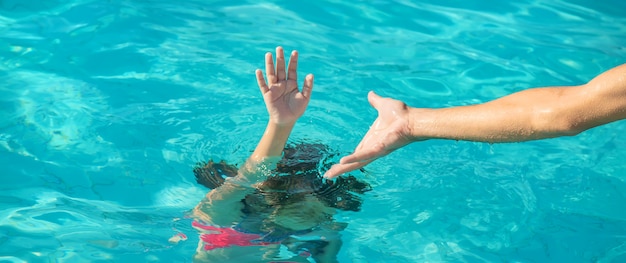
x,y
105,106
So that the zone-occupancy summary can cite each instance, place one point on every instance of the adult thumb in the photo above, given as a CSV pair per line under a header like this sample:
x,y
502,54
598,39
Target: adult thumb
x,y
373,99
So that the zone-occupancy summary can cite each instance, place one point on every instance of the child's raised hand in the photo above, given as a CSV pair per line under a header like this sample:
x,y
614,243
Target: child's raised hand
x,y
284,101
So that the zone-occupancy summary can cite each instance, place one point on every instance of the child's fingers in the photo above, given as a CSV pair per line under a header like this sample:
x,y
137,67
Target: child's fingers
x,y
261,81
269,68
280,64
307,89
292,73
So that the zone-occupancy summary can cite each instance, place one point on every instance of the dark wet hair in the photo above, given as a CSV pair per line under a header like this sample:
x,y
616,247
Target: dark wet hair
x,y
297,174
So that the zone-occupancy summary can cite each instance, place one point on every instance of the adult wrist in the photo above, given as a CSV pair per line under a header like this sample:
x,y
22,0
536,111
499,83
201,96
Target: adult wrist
x,y
419,123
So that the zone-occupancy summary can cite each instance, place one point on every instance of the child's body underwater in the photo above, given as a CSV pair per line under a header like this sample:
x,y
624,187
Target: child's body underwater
x,y
293,206
275,207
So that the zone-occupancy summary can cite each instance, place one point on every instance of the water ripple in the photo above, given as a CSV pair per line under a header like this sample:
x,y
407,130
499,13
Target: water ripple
x,y
107,105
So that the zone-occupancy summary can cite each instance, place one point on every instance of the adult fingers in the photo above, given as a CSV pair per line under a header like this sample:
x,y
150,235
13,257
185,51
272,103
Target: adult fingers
x,y
339,169
367,154
292,68
269,68
261,81
280,64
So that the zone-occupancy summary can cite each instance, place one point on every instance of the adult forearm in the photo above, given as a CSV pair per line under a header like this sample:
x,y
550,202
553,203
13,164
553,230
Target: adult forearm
x,y
530,114
485,123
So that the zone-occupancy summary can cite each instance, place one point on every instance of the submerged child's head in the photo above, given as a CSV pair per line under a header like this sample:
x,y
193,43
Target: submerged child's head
x,y
296,178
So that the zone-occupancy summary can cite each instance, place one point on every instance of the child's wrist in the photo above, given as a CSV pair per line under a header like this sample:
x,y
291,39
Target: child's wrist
x,y
280,127
282,124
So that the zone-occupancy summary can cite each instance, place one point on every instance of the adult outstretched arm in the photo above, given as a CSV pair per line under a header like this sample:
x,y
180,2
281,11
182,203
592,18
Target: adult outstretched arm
x,y
531,114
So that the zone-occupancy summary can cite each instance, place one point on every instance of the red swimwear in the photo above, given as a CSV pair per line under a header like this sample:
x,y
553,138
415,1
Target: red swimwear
x,y
227,237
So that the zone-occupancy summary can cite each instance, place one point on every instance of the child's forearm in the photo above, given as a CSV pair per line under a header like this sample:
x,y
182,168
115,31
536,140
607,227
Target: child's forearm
x,y
267,152
228,196
272,142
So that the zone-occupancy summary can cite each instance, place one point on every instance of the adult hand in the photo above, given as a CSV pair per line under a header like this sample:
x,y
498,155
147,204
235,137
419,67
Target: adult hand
x,y
284,102
390,131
